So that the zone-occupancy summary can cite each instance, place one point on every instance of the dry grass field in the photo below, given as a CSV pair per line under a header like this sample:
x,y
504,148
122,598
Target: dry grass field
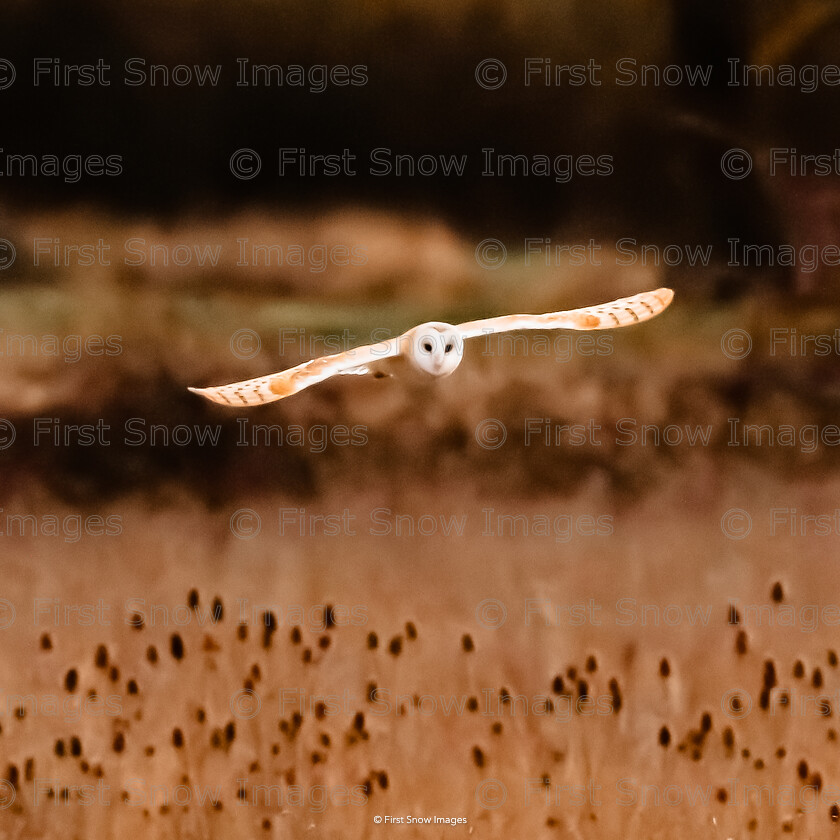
x,y
456,710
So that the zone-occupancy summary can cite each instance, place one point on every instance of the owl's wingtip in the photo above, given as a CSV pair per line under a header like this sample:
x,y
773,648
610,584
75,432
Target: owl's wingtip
x,y
666,293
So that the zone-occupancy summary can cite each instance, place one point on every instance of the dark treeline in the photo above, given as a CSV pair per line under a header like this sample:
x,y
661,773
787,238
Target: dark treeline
x,y
401,79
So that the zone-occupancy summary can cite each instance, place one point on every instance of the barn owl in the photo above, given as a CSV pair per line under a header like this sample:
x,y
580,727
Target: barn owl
x,y
434,349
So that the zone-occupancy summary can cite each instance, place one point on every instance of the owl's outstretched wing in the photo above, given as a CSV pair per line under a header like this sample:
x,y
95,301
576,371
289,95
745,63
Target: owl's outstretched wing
x,y
605,316
276,386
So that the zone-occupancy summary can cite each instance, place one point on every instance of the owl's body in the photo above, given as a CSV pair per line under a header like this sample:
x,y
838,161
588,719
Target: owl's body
x,y
432,350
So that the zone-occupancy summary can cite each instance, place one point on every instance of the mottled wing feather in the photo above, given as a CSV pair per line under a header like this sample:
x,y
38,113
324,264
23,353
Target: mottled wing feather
x,y
266,389
356,371
616,313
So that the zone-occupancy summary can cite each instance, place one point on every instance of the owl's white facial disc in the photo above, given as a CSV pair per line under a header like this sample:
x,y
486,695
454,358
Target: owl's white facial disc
x,y
435,348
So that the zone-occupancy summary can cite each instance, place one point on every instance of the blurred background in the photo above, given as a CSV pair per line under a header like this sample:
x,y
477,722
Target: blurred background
x,y
195,262
415,238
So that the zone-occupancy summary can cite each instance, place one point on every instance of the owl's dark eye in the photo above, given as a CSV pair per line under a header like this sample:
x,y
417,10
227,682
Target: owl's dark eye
x,y
427,346
448,348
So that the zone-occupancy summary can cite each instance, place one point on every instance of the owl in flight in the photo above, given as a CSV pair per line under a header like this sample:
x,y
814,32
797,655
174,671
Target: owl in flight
x,y
434,349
